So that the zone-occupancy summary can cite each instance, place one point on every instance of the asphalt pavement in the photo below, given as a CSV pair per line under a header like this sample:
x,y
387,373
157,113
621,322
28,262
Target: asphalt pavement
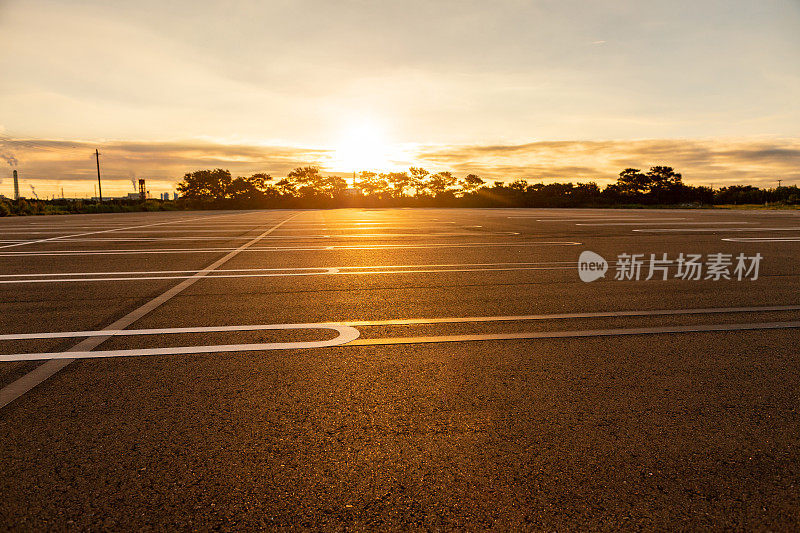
x,y
401,369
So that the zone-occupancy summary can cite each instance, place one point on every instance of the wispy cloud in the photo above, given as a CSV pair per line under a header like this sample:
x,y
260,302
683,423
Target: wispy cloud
x,y
701,161
54,163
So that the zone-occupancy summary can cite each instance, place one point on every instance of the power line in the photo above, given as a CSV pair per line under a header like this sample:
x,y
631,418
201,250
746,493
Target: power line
x,y
38,144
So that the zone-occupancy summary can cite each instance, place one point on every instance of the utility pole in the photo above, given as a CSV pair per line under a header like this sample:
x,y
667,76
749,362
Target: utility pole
x,y
99,186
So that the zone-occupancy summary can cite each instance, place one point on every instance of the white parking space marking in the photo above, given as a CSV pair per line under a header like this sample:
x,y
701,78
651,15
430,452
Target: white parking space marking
x,y
292,272
14,390
238,228
345,334
292,248
599,216
682,230
647,223
63,237
280,237
397,322
574,334
221,270
762,239
584,219
592,314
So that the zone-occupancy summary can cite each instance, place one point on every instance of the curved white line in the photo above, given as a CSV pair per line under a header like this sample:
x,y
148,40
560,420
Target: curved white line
x,y
345,334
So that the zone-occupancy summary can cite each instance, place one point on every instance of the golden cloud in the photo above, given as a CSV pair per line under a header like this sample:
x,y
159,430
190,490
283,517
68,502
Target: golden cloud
x,y
64,163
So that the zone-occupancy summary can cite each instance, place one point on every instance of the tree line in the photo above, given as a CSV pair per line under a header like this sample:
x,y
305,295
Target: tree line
x,y
308,187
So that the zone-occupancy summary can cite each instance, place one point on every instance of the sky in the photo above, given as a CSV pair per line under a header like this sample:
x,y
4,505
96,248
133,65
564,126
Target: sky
x,y
542,90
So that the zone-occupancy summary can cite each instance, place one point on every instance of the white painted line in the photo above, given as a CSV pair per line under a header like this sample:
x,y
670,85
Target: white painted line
x,y
562,316
584,219
682,230
598,216
289,237
349,336
573,334
183,229
22,385
108,333
345,334
763,239
293,248
332,271
648,223
290,269
62,237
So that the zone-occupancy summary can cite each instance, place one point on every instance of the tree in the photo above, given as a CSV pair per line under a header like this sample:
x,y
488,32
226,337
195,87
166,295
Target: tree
x,y
259,180
334,186
469,183
632,182
663,178
206,184
520,186
286,187
441,182
418,176
307,180
243,189
665,186
304,175
586,193
399,182
252,188
372,184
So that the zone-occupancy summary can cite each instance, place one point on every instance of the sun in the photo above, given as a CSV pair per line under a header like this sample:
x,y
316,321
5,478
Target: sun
x,y
362,146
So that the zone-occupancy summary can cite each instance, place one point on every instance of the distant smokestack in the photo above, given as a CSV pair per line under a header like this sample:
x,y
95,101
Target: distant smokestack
x,y
16,186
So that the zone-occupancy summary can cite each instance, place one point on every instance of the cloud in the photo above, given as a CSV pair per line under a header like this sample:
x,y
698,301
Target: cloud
x,y
70,163
757,162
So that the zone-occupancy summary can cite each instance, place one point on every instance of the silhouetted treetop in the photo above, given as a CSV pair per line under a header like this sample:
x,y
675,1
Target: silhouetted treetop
x,y
308,187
